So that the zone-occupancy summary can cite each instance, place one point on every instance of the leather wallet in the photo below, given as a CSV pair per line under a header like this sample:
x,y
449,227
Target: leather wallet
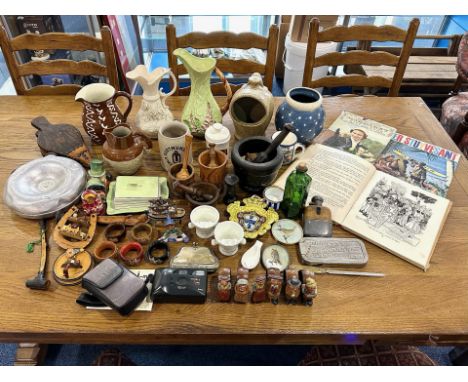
x,y
115,286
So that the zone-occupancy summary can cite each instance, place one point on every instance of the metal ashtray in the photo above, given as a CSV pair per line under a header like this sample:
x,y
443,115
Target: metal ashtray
x,y
44,186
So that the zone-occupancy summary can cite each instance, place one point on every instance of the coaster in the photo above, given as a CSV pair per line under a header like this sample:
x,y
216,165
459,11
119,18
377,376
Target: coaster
x,y
287,231
275,256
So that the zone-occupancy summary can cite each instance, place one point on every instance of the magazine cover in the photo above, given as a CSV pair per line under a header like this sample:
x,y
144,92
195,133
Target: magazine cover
x,y
425,165
357,135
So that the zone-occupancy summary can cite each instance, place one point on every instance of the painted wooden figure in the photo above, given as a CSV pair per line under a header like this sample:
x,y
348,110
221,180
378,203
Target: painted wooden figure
x,y
258,289
309,287
293,286
274,284
241,290
224,285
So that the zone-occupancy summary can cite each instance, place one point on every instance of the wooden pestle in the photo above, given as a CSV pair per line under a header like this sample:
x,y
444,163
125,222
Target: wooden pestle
x,y
183,172
212,154
262,157
194,191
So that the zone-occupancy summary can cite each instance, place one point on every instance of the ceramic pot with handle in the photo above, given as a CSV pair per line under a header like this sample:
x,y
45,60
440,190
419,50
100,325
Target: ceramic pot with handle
x,y
100,110
304,111
124,149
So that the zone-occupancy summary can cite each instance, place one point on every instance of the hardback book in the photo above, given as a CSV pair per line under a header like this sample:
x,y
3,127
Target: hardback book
x,y
400,217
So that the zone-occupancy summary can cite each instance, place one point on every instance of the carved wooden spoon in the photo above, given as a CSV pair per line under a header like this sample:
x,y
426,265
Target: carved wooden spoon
x,y
183,173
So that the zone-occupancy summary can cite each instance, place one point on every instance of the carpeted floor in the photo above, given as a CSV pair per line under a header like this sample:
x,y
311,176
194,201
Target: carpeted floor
x,y
159,355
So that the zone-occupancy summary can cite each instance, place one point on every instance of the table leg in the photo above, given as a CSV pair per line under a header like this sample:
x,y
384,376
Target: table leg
x,y
30,354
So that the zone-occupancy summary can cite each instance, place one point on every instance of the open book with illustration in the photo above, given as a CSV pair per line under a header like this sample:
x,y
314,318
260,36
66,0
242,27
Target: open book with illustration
x,y
391,210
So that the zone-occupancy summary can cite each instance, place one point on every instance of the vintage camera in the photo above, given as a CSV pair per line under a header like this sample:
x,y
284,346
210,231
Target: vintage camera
x,y
180,285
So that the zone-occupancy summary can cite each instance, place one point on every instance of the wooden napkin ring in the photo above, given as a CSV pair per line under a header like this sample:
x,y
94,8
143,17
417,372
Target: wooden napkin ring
x,y
106,250
136,251
115,232
142,233
157,252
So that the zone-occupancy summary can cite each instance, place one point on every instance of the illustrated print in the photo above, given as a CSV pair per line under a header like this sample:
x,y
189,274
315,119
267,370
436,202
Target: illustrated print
x,y
392,211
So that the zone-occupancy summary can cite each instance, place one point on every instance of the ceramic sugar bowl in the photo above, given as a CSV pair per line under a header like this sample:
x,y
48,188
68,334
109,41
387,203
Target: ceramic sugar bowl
x,y
251,108
124,149
303,109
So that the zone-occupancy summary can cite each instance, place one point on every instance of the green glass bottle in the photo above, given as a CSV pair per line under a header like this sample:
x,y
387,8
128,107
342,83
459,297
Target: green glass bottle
x,y
295,191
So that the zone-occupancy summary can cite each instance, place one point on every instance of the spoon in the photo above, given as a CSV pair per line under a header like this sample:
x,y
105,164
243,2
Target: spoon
x,y
251,257
183,173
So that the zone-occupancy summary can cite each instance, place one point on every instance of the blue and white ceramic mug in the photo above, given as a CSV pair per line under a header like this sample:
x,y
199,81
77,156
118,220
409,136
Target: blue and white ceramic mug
x,y
303,109
290,147
273,196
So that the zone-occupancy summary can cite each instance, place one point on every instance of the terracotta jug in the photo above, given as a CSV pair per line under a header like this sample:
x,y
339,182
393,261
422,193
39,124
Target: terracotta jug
x,y
100,110
201,109
153,111
124,149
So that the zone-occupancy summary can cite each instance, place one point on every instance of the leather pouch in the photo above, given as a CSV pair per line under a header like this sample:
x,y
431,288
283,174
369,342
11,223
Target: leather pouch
x,y
115,286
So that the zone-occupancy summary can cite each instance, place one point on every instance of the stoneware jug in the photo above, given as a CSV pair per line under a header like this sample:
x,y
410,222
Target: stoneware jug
x,y
124,149
153,110
201,109
100,110
303,109
251,108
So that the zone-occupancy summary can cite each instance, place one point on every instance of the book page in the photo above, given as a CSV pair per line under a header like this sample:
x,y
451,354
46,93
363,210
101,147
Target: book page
x,y
425,165
338,177
357,135
399,217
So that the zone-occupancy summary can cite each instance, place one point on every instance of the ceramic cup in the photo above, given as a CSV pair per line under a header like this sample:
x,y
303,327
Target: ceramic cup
x,y
204,219
228,235
171,137
273,196
290,147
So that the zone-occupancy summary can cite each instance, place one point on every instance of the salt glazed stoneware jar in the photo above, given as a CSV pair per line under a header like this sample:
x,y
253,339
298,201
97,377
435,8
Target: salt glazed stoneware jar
x,y
303,109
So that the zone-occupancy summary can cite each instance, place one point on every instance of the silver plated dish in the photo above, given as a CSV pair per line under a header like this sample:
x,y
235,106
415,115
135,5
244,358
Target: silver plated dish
x,y
44,186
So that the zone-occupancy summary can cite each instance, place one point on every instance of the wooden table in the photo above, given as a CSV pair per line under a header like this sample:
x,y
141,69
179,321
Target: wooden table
x,y
420,69
407,305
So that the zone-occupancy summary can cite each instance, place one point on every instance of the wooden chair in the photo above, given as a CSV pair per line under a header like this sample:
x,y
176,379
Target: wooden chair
x,y
358,57
199,40
77,42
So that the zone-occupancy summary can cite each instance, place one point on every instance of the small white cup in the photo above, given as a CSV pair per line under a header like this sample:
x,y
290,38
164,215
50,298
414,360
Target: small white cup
x,y
228,235
290,147
204,219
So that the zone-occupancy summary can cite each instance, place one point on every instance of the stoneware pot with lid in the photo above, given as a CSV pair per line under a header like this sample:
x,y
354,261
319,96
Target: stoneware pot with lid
x,y
303,109
251,108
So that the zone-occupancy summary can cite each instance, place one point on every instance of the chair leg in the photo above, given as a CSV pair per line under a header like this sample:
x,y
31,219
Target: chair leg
x,y
30,354
459,356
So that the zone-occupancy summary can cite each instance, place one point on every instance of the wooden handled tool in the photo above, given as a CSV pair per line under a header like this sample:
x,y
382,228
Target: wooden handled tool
x,y
40,282
183,173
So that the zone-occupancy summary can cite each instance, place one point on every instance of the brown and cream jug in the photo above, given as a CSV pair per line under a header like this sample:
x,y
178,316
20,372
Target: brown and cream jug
x,y
100,110
124,149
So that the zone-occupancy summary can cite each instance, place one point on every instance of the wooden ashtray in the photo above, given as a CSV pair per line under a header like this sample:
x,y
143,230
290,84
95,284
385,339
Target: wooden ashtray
x,y
70,267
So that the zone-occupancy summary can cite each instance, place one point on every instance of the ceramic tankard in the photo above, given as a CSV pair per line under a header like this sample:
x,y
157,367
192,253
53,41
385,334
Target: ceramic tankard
x,y
290,147
171,137
100,110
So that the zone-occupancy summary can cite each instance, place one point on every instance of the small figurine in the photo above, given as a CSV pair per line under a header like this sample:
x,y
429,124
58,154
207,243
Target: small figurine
x,y
309,287
293,286
274,284
317,219
258,289
93,202
224,285
241,290
163,210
